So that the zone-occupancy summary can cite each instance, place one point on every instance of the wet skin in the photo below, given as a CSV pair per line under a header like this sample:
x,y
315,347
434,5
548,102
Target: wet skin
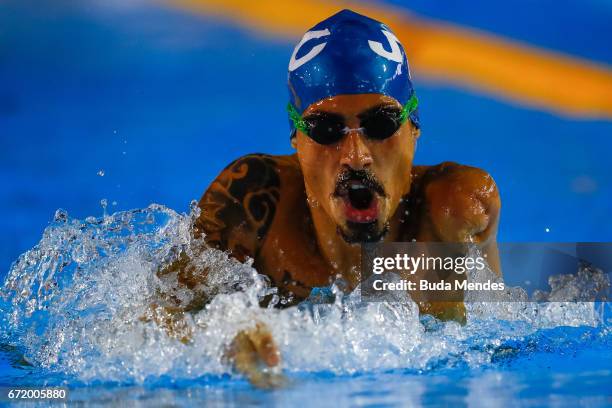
x,y
303,227
285,213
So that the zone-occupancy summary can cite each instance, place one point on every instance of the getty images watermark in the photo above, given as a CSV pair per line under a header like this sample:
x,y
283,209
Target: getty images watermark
x,y
426,271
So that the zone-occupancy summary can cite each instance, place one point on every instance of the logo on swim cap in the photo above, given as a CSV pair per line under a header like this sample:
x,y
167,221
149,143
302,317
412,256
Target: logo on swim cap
x,y
348,53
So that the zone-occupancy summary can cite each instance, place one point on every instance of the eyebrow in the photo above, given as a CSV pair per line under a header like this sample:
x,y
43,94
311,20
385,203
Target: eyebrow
x,y
323,114
382,107
368,112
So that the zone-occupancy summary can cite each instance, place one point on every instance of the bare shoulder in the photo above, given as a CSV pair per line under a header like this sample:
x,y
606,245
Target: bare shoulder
x,y
458,202
239,206
455,177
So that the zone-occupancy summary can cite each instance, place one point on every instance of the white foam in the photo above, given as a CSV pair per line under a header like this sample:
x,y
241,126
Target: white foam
x,y
74,304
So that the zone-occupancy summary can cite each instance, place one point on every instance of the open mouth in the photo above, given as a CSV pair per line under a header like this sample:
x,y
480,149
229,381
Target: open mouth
x,y
359,194
360,203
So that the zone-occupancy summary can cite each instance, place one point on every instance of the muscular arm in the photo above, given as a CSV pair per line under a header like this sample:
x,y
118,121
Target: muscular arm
x,y
236,212
459,204
455,203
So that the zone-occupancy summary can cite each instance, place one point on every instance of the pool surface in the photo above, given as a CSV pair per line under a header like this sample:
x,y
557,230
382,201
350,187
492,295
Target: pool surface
x,y
73,312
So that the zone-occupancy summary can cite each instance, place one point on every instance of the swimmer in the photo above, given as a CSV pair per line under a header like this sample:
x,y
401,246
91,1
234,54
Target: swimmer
x,y
353,114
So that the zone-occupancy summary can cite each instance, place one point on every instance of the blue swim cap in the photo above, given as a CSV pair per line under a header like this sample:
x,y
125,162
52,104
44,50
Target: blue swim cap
x,y
348,54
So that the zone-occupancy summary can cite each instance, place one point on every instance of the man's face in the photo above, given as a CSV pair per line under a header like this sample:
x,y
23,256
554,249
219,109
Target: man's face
x,y
359,180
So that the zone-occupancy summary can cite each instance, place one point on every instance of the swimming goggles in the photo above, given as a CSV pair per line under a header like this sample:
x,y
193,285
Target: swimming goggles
x,y
377,123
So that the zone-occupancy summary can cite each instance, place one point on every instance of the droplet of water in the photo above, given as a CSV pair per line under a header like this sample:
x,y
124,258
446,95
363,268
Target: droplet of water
x,y
274,301
193,205
60,215
101,173
104,204
313,202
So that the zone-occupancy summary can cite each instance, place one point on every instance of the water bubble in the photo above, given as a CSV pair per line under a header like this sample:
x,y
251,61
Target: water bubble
x,y
60,215
274,301
193,205
104,204
150,218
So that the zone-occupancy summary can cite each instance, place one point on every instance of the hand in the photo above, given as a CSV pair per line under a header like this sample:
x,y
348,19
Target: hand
x,y
254,353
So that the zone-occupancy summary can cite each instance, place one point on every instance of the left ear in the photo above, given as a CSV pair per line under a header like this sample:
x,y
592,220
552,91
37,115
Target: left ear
x,y
294,142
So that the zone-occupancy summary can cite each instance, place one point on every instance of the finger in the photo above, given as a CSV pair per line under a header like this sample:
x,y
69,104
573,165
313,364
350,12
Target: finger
x,y
265,346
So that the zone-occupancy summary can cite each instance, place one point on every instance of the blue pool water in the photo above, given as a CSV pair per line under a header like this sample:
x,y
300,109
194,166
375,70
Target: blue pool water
x,y
550,382
138,103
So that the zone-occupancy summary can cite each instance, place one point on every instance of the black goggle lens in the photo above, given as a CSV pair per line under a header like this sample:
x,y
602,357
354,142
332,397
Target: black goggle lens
x,y
382,123
327,128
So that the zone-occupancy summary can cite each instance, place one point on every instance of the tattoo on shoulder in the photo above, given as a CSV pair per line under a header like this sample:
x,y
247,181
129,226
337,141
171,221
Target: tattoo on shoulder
x,y
239,206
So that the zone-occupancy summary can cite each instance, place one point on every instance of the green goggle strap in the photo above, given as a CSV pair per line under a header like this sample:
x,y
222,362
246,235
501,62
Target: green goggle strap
x,y
409,107
300,124
296,118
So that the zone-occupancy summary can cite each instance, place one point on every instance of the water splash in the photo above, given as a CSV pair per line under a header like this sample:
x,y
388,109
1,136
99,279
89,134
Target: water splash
x,y
76,302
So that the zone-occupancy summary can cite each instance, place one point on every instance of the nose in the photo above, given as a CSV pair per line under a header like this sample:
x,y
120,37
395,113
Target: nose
x,y
354,151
